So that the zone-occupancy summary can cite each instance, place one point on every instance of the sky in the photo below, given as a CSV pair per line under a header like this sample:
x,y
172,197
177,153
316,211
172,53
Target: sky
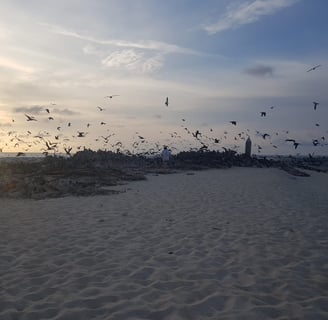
x,y
216,61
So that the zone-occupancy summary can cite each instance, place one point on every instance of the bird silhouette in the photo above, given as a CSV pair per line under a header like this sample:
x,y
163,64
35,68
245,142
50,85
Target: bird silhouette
x,y
313,68
233,122
263,114
81,134
111,96
167,101
30,118
100,108
315,104
68,150
19,154
196,134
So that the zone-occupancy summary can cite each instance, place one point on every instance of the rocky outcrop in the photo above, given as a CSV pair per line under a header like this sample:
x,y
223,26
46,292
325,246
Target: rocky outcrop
x,y
89,173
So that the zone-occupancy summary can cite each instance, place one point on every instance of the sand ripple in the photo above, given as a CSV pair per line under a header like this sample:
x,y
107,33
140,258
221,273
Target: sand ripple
x,y
218,244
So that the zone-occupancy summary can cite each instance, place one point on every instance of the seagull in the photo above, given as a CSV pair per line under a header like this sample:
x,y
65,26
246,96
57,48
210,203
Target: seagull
x,y
196,134
263,114
315,105
111,96
315,142
81,134
68,150
30,118
233,122
290,140
313,68
265,135
167,101
100,108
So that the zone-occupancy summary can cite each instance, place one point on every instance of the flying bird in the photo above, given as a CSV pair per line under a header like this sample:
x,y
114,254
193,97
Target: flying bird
x,y
100,108
196,134
68,150
233,122
167,101
111,96
315,104
290,140
81,134
263,114
313,68
30,118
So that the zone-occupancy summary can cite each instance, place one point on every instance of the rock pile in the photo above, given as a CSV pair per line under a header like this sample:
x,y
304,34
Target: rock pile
x,y
89,173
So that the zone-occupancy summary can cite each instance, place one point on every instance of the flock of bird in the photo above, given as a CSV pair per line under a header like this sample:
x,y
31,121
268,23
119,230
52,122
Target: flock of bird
x,y
187,138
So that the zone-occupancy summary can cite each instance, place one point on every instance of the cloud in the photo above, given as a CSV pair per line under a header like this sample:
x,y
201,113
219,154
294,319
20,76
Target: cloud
x,y
133,60
11,64
246,13
92,50
260,71
152,65
37,109
33,109
66,112
142,44
124,58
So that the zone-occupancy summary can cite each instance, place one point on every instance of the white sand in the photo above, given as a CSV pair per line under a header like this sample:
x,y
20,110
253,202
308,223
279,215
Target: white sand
x,y
220,244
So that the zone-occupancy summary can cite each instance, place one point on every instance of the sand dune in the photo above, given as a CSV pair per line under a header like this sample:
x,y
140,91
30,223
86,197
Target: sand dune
x,y
240,243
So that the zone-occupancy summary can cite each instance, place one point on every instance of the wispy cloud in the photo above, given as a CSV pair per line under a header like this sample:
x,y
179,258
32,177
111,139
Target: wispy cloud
x,y
142,44
11,64
38,109
260,71
246,13
133,60
31,109
65,112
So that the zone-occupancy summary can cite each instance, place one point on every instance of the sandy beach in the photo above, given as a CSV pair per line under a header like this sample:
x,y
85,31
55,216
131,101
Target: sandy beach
x,y
239,243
